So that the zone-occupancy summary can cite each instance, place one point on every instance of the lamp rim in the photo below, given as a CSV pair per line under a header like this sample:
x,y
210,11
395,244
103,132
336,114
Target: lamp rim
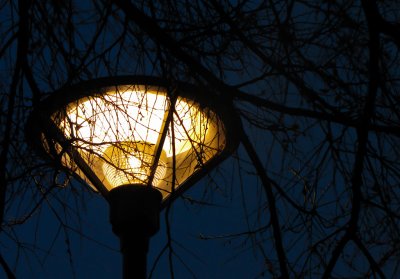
x,y
60,99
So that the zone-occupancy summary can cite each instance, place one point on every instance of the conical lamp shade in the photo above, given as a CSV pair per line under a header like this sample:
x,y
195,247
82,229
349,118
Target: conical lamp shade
x,y
118,132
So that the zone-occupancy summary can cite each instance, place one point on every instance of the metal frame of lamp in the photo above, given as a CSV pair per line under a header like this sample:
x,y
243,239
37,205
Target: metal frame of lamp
x,y
137,140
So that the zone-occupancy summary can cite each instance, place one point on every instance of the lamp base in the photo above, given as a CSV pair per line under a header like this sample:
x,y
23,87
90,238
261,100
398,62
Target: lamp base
x,y
134,216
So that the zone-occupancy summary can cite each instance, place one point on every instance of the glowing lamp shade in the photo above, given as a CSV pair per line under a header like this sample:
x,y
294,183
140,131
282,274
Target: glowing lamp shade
x,y
120,132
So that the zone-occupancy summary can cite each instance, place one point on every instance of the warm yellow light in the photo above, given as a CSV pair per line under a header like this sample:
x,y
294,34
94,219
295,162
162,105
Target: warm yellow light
x,y
117,134
133,115
131,163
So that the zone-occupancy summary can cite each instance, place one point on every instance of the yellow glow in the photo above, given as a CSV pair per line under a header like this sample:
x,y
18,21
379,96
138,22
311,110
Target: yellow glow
x,y
131,162
117,133
133,115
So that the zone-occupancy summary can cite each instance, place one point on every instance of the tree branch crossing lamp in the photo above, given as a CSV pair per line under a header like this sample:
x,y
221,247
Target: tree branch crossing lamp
x,y
137,141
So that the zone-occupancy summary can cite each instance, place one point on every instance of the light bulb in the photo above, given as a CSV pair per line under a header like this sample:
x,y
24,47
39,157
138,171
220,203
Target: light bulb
x,y
131,163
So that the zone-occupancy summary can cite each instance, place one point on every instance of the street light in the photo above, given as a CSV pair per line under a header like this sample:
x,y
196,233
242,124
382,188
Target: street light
x,y
140,142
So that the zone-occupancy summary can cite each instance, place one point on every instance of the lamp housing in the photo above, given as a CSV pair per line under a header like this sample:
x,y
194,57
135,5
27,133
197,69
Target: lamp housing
x,y
111,132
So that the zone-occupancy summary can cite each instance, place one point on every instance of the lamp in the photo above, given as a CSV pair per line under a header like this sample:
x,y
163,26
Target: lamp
x,y
138,141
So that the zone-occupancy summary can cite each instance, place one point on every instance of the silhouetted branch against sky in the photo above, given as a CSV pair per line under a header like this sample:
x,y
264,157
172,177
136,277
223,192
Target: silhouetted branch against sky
x,y
313,189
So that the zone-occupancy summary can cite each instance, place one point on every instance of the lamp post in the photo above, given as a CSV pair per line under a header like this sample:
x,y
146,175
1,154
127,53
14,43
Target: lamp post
x,y
137,141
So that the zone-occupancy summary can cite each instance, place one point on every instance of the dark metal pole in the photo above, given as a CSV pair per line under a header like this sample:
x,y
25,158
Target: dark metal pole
x,y
134,215
134,251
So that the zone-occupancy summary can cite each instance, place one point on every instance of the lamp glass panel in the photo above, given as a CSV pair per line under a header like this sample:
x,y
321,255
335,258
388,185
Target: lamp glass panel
x,y
117,133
